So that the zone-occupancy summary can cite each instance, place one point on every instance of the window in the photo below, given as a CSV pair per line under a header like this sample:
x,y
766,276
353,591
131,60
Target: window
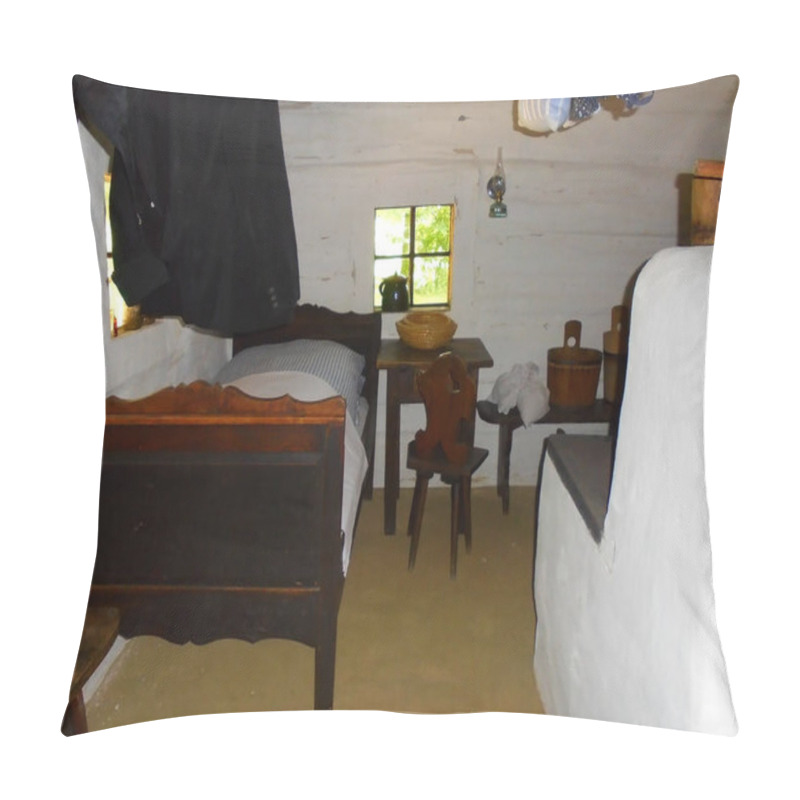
x,y
416,242
122,317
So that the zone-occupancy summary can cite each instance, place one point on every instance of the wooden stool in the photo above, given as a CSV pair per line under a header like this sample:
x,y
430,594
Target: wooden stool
x,y
599,412
99,632
507,424
445,448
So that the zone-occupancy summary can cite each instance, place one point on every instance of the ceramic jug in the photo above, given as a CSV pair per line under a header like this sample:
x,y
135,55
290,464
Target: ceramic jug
x,y
394,293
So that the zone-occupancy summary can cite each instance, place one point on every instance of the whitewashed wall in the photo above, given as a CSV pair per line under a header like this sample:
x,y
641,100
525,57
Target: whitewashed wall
x,y
586,207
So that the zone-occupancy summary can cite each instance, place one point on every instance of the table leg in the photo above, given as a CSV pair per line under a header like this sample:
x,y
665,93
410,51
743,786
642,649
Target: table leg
x,y
391,480
504,437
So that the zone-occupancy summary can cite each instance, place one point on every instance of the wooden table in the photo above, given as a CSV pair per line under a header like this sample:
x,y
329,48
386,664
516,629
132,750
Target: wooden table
x,y
601,412
402,363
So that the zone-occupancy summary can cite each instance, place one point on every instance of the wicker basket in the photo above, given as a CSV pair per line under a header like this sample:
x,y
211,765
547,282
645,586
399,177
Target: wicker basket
x,y
426,330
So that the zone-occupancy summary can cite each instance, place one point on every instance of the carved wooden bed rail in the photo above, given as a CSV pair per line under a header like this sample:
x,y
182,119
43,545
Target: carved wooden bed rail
x,y
220,517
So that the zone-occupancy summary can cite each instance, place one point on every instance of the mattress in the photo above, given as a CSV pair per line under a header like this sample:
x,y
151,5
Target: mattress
x,y
307,388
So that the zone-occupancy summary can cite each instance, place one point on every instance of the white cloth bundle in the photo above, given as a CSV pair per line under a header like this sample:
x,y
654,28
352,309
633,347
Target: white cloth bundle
x,y
522,387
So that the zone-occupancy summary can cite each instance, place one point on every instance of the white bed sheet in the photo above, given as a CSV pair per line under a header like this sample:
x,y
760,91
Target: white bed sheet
x,y
309,388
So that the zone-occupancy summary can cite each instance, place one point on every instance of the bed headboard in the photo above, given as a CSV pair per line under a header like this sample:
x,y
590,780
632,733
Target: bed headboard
x,y
359,332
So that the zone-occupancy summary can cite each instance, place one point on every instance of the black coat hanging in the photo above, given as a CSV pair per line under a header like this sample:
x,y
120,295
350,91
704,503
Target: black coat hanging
x,y
200,206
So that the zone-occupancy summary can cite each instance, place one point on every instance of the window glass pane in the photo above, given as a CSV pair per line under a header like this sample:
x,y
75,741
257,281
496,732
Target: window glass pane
x,y
432,233
384,268
107,191
116,305
392,231
425,260
431,280
121,316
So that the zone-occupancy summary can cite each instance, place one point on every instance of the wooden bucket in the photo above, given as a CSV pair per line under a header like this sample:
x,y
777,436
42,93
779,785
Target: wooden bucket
x,y
573,372
615,355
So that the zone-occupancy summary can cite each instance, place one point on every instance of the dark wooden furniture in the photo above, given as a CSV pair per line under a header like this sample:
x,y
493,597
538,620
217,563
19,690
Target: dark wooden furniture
x,y
100,629
600,412
220,513
445,448
402,363
706,189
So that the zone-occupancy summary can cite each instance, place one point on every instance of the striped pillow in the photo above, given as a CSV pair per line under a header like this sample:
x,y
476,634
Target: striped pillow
x,y
340,366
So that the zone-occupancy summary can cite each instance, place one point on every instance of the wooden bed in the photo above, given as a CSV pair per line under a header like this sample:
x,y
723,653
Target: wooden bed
x,y
220,513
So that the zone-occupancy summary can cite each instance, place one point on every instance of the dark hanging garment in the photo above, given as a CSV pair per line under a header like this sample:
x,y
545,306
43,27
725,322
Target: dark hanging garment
x,y
200,208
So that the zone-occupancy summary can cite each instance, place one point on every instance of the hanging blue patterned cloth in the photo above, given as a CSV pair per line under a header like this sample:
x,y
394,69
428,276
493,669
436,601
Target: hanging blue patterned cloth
x,y
582,108
636,100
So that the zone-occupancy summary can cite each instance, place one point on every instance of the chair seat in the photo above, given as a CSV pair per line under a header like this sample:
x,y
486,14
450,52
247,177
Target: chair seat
x,y
437,464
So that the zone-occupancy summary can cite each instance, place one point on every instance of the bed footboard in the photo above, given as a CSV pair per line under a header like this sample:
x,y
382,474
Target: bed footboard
x,y
220,518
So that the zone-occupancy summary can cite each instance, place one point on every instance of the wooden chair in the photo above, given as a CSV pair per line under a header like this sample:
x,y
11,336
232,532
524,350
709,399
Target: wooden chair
x,y
445,448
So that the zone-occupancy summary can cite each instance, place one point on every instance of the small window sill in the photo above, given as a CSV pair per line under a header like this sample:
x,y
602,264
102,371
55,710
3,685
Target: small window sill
x,y
131,327
443,308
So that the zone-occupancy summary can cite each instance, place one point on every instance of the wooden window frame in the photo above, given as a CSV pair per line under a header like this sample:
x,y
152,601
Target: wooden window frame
x,y
412,255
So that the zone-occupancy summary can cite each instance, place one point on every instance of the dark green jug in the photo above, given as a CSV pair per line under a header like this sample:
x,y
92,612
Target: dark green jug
x,y
394,293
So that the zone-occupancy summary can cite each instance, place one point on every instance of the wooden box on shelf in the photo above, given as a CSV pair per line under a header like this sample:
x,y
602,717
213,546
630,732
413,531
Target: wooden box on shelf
x,y
706,187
